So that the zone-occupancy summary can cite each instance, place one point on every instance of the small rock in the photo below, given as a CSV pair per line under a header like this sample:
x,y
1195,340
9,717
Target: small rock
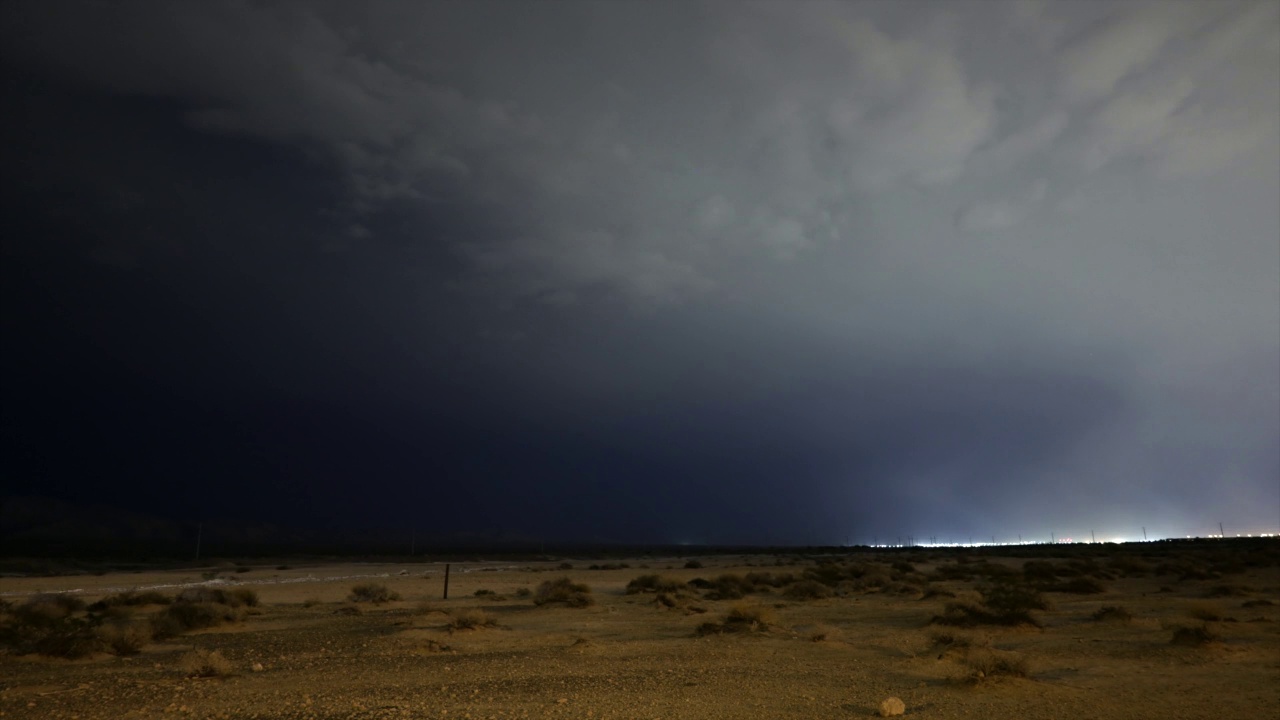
x,y
562,701
257,667
892,706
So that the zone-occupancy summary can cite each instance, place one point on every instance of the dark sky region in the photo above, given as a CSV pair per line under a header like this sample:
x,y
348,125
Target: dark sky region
x,y
720,272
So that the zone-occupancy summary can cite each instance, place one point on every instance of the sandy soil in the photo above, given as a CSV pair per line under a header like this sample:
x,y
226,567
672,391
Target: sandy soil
x,y
628,656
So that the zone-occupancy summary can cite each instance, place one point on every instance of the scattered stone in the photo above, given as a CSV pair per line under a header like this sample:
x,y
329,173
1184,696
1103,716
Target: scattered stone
x,y
257,667
892,706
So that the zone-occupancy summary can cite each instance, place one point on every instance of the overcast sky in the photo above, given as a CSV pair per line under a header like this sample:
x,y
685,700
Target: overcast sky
x,y
656,272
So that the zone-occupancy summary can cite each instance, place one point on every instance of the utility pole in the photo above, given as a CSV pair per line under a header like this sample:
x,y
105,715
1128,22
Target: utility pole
x,y
1221,532
1092,536
1053,540
1144,534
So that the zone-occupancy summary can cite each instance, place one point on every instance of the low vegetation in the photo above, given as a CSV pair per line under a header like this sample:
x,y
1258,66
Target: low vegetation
x,y
986,664
375,593
1194,636
205,663
1009,605
740,619
1112,613
565,592
471,619
655,584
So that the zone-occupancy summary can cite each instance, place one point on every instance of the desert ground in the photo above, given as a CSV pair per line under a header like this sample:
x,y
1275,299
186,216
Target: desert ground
x,y
1149,631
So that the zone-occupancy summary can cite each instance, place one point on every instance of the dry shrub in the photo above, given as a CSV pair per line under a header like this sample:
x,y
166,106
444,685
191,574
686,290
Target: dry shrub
x,y
204,663
950,640
131,598
234,598
1112,613
1257,603
51,625
1229,591
1195,636
471,619
730,586
654,584
1129,566
986,663
183,616
768,579
375,593
563,590
310,602
823,632
740,619
807,590
1079,586
523,592
1002,604
1204,611
125,638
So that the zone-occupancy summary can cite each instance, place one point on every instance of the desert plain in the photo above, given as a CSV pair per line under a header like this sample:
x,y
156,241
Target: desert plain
x,y
1152,630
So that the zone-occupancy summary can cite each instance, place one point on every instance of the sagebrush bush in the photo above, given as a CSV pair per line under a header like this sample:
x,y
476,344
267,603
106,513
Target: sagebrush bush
x,y
131,598
986,663
53,625
740,619
1078,586
1194,636
1001,605
823,632
235,597
375,593
125,638
1113,613
563,590
471,619
807,590
693,565
654,584
730,586
1039,570
1204,611
205,663
184,615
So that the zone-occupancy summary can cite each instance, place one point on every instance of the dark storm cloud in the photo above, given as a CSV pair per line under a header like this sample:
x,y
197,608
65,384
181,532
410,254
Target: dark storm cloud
x,y
970,266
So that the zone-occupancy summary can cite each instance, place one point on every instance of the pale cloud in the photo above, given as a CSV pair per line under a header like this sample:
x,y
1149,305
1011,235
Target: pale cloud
x,y
1002,213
